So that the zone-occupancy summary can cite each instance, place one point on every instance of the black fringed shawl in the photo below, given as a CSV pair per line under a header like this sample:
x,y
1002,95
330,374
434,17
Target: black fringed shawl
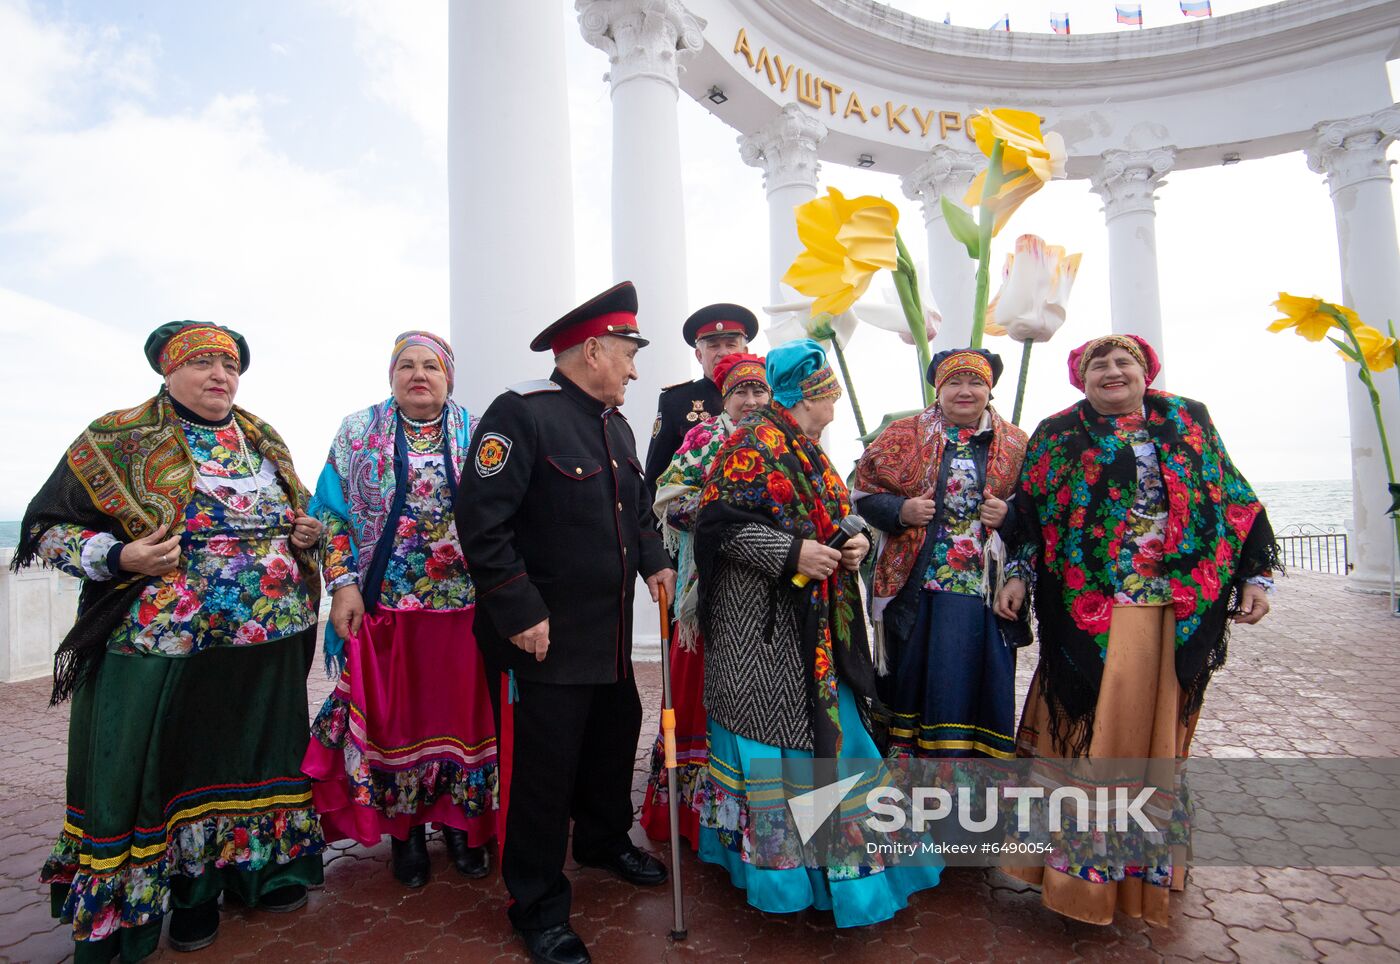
x,y
127,474
1077,484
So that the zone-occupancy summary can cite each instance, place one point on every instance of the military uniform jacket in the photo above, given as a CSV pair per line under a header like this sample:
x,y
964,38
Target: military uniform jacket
x,y
679,409
555,523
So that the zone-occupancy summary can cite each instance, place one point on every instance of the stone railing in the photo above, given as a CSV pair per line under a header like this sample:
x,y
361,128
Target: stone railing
x,y
37,607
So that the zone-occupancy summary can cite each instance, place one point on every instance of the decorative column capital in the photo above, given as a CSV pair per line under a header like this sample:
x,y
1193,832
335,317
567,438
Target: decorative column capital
x,y
1127,180
785,149
1350,151
945,171
642,38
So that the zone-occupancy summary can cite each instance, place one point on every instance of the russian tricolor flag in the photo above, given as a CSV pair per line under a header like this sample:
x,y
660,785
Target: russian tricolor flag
x,y
1003,24
1195,8
1059,22
1129,13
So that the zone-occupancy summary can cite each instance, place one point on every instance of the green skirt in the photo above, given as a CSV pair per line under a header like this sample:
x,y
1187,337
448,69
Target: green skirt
x,y
184,781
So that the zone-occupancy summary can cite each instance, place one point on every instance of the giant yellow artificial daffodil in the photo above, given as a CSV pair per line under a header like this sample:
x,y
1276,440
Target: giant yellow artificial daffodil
x,y
1378,349
844,242
1029,158
1306,315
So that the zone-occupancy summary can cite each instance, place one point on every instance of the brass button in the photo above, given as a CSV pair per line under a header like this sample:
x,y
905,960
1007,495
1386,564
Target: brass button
x,y
624,550
614,462
619,507
577,470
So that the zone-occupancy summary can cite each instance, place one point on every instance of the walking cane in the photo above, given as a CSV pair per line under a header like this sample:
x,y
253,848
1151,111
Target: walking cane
x,y
668,742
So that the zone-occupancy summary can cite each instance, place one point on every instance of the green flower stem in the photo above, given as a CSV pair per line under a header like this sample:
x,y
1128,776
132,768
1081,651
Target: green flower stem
x,y
1396,349
850,385
906,283
985,220
1021,383
1363,372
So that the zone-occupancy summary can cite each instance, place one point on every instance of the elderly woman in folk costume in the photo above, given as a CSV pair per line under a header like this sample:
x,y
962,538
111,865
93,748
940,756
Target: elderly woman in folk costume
x,y
743,384
187,664
936,485
406,736
1145,543
787,667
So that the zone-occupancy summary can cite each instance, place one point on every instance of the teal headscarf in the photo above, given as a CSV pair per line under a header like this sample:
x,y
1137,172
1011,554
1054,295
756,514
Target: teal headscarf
x,y
797,369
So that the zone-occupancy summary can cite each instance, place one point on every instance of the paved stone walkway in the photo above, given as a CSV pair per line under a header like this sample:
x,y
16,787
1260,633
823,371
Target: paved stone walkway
x,y
1317,679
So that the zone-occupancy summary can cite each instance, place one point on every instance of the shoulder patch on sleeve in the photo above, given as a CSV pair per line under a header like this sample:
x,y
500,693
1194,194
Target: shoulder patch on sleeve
x,y
491,454
534,386
656,426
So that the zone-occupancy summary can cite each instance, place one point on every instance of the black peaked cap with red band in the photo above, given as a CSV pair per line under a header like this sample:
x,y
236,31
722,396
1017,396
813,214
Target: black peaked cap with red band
x,y
721,319
614,312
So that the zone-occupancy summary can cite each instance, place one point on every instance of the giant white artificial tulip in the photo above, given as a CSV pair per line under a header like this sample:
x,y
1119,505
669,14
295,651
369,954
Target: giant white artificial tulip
x,y
1030,306
1034,292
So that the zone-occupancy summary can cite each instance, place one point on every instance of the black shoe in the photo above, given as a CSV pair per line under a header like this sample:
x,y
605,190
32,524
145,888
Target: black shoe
x,y
472,862
283,900
410,858
192,928
555,945
634,866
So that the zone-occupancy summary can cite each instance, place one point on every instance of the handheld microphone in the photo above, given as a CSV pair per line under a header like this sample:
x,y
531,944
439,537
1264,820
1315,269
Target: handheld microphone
x,y
846,530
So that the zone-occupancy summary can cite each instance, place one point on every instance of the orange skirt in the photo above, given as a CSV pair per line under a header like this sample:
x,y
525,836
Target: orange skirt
x,y
1138,716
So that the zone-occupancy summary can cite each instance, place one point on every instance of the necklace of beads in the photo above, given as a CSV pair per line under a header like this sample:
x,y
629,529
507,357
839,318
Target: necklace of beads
x,y
422,436
243,456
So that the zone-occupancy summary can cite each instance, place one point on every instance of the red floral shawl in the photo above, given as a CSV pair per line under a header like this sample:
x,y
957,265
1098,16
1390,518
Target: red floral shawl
x,y
1077,487
904,461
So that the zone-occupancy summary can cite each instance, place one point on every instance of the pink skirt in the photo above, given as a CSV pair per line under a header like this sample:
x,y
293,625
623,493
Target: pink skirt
x,y
406,737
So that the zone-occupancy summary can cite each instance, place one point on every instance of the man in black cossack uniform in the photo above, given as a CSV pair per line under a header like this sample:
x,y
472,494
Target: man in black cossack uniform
x,y
555,523
714,331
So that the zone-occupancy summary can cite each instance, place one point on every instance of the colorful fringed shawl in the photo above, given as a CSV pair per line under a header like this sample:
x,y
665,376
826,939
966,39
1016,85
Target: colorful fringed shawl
x,y
770,473
904,461
127,474
678,495
362,484
1076,490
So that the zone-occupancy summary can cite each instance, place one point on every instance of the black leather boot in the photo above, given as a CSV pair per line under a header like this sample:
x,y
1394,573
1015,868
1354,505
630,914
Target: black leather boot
x,y
410,858
192,928
472,862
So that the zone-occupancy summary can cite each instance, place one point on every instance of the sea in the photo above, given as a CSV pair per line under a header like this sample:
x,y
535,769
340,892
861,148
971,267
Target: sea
x,y
1319,504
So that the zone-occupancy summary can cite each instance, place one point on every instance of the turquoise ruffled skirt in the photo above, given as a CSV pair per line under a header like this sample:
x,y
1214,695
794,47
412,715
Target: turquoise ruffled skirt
x,y
855,896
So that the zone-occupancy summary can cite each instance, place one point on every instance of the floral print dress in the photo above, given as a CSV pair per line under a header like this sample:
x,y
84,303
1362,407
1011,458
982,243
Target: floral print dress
x,y
426,569
239,584
1138,566
955,564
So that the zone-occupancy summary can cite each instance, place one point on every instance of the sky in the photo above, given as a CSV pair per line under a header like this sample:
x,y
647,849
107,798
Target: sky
x,y
280,167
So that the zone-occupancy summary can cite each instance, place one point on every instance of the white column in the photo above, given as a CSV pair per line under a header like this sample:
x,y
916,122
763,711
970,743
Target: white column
x,y
510,201
1126,181
786,150
645,41
1351,153
952,275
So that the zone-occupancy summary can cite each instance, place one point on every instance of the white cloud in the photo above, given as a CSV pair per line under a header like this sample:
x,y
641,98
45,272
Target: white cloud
x,y
146,218
404,46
